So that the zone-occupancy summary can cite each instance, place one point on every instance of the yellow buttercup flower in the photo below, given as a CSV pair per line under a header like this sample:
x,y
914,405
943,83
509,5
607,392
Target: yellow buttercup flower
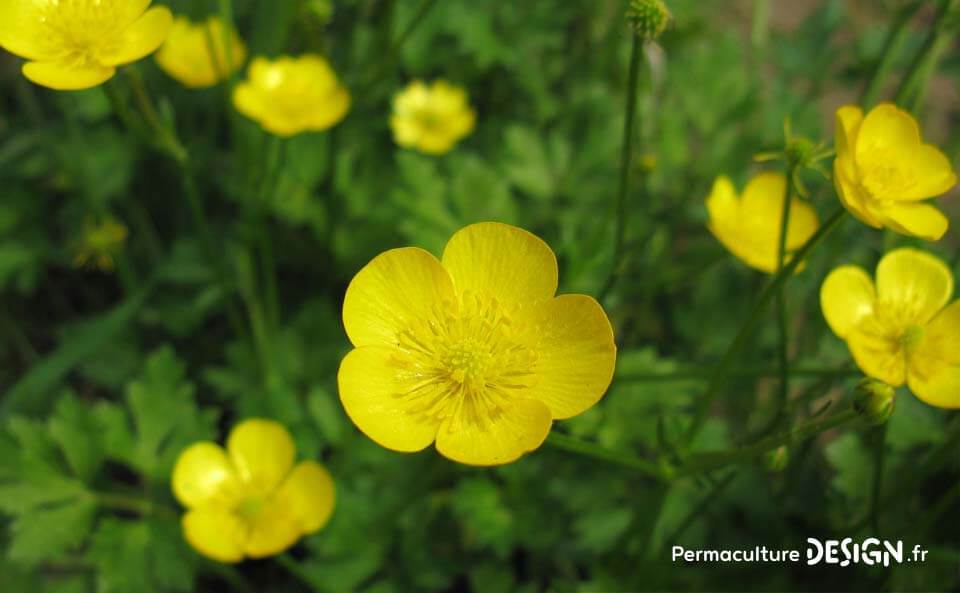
x,y
900,330
250,500
431,119
473,351
100,244
78,44
195,55
883,171
749,225
289,95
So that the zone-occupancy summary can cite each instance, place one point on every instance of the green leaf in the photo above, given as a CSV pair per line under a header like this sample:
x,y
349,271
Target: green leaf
x,y
485,519
854,466
74,427
48,532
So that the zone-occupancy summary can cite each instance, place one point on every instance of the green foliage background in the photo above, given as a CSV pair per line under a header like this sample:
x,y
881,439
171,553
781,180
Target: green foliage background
x,y
105,377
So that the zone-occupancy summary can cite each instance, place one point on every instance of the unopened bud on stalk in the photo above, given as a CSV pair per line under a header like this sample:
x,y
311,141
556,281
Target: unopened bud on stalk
x,y
649,18
874,401
777,459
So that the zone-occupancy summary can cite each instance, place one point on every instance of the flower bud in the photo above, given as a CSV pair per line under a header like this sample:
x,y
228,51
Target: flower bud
x,y
777,459
874,401
648,18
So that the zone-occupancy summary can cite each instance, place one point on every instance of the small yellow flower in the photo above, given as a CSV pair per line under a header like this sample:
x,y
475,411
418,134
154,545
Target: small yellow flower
x,y
749,226
290,95
900,330
250,500
473,351
194,54
431,119
78,44
883,171
100,244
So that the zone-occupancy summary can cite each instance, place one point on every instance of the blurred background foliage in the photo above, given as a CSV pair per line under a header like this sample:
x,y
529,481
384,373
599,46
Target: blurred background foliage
x,y
107,374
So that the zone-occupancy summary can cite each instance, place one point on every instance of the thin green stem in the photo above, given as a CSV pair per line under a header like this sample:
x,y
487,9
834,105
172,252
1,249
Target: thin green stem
x,y
913,87
225,8
274,160
293,567
700,374
393,53
594,451
760,28
710,461
720,373
879,438
166,136
715,491
125,503
783,352
621,211
899,29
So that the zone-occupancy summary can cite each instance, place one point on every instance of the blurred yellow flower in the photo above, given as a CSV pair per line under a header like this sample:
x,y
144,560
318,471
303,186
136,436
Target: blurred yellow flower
x,y
473,351
194,54
100,244
900,330
77,44
290,95
250,500
431,119
749,226
883,171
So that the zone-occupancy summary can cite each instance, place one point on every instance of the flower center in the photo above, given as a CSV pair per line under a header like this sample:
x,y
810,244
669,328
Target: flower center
x,y
885,178
83,30
468,360
249,507
911,338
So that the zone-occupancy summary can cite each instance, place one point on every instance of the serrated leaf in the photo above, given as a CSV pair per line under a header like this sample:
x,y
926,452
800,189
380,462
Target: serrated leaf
x,y
47,532
76,430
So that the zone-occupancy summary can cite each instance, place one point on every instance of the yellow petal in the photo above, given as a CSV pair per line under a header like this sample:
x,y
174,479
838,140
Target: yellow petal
x,y
502,438
262,452
203,477
502,261
916,283
851,195
576,354
141,38
219,535
248,100
886,126
763,199
848,121
846,297
398,288
308,494
66,77
941,390
23,32
372,388
722,202
931,171
803,224
331,111
878,358
274,529
942,335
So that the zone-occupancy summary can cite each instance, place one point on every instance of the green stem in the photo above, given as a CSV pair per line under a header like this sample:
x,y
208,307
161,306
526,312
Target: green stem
x,y
783,352
594,451
393,53
719,374
760,29
626,158
268,264
899,30
879,438
914,85
704,504
293,567
125,503
710,461
166,137
700,374
225,8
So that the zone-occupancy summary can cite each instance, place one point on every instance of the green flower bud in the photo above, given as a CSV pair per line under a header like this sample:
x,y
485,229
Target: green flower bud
x,y
649,18
777,459
874,400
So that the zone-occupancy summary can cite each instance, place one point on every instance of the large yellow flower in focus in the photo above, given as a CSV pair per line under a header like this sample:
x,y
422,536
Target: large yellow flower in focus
x,y
290,95
900,330
194,54
883,171
78,44
250,500
431,119
473,351
749,226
